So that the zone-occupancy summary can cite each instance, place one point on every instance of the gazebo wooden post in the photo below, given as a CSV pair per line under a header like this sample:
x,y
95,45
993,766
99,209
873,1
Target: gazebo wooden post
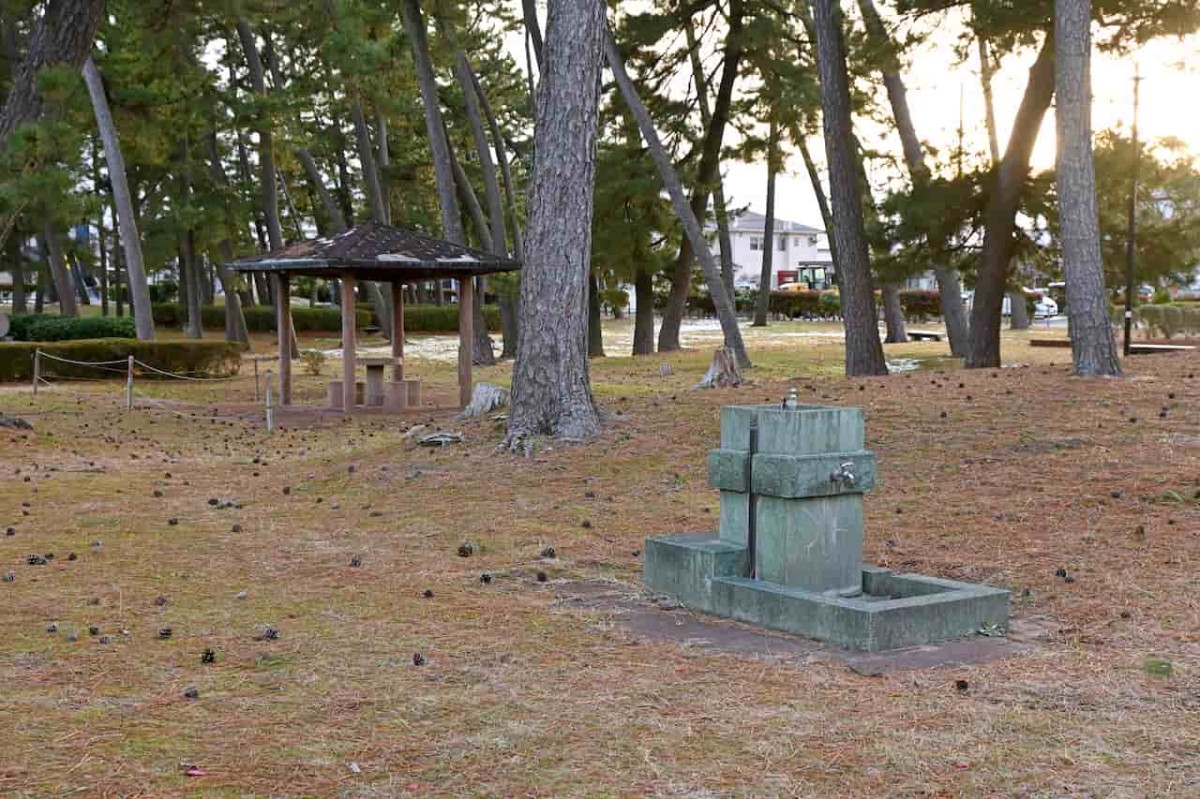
x,y
283,324
466,337
349,343
398,330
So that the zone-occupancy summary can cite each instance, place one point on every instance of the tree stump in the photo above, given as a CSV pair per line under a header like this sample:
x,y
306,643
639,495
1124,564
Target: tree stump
x,y
724,371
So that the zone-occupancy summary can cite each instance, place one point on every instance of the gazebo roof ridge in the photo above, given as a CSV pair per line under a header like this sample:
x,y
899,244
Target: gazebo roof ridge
x,y
376,251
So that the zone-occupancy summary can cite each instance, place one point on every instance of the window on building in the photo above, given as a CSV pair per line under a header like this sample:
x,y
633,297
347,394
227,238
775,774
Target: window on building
x,y
812,241
782,244
756,243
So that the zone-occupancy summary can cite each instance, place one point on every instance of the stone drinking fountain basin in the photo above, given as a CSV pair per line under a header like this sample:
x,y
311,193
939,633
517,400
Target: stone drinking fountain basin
x,y
788,554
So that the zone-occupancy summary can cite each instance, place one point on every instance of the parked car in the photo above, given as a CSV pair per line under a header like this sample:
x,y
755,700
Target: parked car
x,y
1044,308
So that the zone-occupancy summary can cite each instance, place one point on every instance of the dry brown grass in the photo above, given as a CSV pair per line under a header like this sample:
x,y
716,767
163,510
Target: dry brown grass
x,y
523,696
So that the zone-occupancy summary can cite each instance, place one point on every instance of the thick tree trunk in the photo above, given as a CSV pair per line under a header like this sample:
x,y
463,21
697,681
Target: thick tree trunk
x,y
954,315
131,240
694,234
893,315
864,353
1019,314
643,317
58,271
595,330
768,252
707,174
509,324
1093,351
1001,213
63,34
551,392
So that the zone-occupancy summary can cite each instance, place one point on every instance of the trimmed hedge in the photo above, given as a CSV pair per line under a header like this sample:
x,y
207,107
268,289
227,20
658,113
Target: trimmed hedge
x,y
444,318
69,328
261,318
1170,320
197,358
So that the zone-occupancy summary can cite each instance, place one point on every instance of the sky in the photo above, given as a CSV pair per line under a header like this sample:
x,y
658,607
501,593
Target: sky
x,y
1169,107
938,86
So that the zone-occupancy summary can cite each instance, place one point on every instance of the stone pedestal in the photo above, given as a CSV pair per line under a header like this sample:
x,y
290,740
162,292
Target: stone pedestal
x,y
788,553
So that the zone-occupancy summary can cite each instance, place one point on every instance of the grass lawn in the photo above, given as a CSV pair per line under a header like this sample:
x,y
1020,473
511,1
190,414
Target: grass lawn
x,y
997,476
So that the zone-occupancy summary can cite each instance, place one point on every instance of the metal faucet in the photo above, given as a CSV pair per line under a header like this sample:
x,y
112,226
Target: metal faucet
x,y
843,474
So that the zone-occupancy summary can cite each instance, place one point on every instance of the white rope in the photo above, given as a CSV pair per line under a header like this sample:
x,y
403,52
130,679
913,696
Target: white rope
x,y
44,354
145,365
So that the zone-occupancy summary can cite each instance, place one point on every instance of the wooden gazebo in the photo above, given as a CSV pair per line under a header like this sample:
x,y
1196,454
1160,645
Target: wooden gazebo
x,y
385,254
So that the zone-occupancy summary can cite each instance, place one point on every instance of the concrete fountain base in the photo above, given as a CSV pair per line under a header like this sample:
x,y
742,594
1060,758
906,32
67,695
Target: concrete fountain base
x,y
894,610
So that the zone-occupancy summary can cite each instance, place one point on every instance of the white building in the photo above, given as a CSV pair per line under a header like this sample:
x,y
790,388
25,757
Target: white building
x,y
801,252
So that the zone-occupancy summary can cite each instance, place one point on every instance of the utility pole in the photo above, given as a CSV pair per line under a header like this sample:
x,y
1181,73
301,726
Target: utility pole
x,y
1131,238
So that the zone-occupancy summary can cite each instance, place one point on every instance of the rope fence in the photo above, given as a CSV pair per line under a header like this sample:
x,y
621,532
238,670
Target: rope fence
x,y
127,368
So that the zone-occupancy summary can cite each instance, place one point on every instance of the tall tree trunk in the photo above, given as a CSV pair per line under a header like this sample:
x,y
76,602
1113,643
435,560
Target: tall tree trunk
x,y
724,239
814,178
989,107
63,286
193,298
595,330
101,248
366,154
954,315
707,173
131,239
235,317
694,235
1018,313
551,392
532,29
643,315
768,252
16,261
864,353
1001,212
509,296
383,159
414,24
893,314
1093,351
266,153
481,345
63,34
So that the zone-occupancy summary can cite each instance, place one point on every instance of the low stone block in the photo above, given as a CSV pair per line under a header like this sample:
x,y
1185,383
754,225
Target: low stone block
x,y
684,566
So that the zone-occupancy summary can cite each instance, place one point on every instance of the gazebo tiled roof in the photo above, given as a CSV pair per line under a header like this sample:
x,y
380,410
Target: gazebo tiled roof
x,y
374,251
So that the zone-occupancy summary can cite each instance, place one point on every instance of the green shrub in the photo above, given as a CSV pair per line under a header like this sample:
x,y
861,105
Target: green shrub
x,y
1151,316
196,358
920,304
19,324
260,318
70,328
1172,321
444,318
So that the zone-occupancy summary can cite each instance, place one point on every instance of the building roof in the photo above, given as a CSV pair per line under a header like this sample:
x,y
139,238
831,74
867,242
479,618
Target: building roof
x,y
374,251
751,222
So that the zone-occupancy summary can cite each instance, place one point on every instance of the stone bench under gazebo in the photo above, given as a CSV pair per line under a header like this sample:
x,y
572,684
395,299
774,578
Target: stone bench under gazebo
x,y
384,254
